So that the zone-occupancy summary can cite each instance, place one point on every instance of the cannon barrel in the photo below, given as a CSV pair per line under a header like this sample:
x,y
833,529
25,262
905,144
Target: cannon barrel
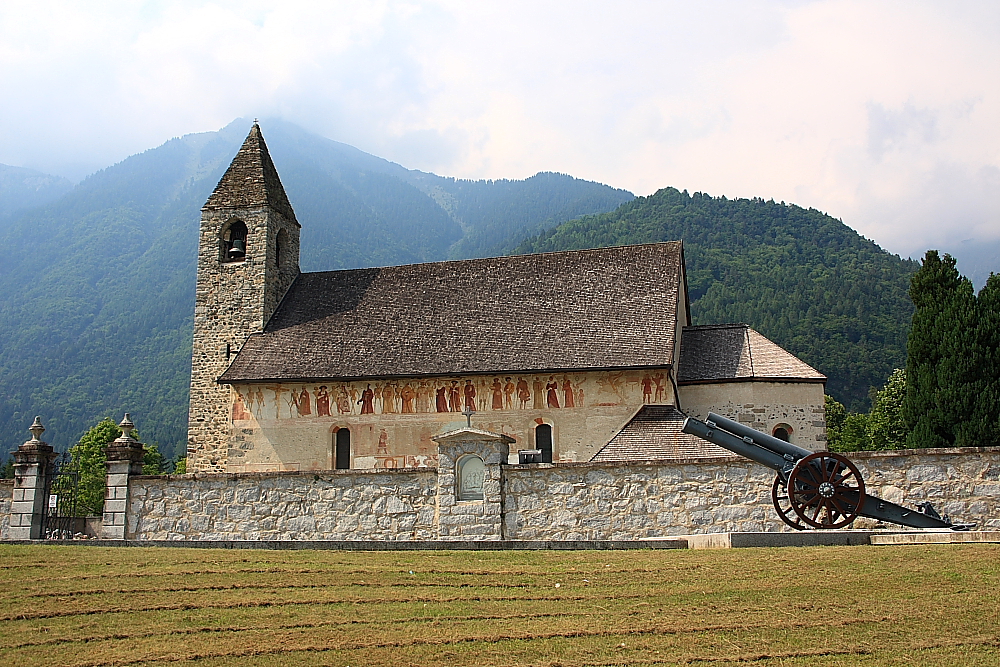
x,y
736,445
760,439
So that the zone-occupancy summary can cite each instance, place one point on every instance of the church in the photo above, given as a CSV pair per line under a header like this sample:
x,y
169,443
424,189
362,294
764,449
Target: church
x,y
585,355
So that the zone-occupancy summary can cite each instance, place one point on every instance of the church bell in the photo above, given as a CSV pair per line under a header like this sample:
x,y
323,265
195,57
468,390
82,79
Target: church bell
x,y
238,250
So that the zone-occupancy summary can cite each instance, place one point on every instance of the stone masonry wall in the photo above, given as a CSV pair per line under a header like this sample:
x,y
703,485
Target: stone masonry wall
x,y
573,501
6,493
333,505
632,501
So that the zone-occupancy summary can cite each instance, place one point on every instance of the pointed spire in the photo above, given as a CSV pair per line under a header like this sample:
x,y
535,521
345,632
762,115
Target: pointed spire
x,y
251,180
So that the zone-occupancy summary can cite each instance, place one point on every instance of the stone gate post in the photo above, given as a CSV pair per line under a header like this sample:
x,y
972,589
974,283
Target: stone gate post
x,y
32,471
469,484
124,460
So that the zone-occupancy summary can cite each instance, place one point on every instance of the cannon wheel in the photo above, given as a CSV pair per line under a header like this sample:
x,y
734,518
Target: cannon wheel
x,y
822,488
779,498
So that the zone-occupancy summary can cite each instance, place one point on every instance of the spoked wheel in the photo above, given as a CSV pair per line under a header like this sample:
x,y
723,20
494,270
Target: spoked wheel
x,y
826,490
779,498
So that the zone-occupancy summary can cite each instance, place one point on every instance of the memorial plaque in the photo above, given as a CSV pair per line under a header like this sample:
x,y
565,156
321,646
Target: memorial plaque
x,y
471,471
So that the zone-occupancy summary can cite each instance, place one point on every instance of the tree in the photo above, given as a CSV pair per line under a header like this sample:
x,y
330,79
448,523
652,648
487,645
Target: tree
x,y
152,460
845,431
90,457
180,467
940,393
886,428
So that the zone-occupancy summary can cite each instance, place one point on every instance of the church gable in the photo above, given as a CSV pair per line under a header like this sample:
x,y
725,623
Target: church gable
x,y
568,311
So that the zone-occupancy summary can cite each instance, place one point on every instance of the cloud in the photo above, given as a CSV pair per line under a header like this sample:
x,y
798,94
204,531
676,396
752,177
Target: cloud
x,y
881,113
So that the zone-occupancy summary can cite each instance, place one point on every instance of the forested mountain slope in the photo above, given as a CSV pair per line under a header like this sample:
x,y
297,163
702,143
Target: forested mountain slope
x,y
22,189
800,277
97,287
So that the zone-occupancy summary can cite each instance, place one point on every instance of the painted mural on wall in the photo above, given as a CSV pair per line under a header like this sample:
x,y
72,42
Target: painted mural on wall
x,y
473,394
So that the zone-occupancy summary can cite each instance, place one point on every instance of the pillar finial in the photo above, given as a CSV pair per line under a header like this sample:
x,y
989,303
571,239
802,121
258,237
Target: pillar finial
x,y
36,429
127,427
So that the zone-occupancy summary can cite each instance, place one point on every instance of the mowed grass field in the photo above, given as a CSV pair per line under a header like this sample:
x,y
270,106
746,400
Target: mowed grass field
x,y
914,605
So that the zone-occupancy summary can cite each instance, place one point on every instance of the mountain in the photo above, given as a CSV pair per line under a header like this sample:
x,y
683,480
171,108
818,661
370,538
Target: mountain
x,y
800,277
97,285
21,189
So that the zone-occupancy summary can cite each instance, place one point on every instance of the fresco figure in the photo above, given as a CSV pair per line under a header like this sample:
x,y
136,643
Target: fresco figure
x,y
383,443
389,398
441,400
497,394
406,394
260,402
304,404
523,393
239,409
424,397
367,401
322,401
470,396
538,387
345,402
569,401
658,379
647,388
579,396
277,391
378,397
508,394
455,397
354,399
484,393
551,397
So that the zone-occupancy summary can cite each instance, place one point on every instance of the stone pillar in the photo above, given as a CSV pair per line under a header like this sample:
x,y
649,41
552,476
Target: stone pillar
x,y
32,471
124,460
470,519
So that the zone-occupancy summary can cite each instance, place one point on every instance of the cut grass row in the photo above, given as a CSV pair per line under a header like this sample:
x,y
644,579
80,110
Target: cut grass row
x,y
66,605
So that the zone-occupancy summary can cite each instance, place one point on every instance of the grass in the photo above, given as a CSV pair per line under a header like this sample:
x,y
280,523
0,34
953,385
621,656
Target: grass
x,y
933,605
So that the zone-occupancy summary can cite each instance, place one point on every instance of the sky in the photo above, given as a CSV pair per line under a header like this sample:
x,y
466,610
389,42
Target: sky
x,y
883,114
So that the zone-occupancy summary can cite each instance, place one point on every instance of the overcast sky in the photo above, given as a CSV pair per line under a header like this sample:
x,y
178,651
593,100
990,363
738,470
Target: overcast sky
x,y
883,114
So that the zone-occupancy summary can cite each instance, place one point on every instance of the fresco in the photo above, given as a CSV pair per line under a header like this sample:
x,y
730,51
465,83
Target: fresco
x,y
498,393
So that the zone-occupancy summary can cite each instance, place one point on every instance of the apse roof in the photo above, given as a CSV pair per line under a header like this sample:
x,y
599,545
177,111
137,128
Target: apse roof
x,y
737,353
654,434
577,310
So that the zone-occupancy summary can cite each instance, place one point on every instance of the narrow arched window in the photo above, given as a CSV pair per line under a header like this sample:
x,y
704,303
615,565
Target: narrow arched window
x,y
782,432
342,450
471,473
234,242
543,441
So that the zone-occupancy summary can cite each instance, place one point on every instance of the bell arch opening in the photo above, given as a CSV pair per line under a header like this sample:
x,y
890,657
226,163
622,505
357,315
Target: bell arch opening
x,y
234,241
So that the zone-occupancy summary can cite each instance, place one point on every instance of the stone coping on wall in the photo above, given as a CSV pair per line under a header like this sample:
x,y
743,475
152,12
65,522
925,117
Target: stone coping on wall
x,y
268,474
382,545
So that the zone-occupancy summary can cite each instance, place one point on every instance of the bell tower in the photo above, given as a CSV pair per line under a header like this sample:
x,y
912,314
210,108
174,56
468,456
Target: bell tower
x,y
248,257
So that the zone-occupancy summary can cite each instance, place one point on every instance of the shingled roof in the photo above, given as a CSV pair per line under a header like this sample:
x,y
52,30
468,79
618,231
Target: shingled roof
x,y
251,180
578,310
654,434
737,353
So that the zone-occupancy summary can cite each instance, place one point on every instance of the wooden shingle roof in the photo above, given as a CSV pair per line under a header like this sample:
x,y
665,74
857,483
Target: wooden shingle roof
x,y
737,353
654,434
577,310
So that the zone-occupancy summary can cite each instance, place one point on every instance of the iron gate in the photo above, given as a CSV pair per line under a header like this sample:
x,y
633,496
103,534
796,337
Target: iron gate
x,y
63,518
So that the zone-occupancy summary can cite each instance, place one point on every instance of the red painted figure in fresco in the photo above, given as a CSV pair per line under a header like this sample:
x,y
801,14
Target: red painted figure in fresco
x,y
658,379
568,392
647,388
551,397
470,396
344,401
367,400
455,397
322,402
441,399
523,393
508,394
303,404
497,394
407,394
240,412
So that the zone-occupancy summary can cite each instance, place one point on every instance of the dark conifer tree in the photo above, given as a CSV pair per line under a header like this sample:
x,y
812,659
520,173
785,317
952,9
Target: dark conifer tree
x,y
984,422
939,397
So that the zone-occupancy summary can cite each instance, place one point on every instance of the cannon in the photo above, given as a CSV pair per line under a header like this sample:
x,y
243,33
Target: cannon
x,y
812,489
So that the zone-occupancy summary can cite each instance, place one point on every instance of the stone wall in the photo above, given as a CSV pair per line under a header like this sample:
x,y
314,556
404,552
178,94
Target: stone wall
x,y
633,501
6,493
574,501
332,505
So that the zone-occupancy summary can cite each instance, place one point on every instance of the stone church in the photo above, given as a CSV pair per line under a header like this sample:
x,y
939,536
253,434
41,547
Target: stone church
x,y
585,355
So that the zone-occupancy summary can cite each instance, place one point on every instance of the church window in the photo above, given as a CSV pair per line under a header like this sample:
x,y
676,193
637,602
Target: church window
x,y
471,472
234,242
782,432
342,450
543,441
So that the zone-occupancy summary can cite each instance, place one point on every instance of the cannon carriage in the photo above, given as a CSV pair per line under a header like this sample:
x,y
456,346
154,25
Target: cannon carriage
x,y
812,489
